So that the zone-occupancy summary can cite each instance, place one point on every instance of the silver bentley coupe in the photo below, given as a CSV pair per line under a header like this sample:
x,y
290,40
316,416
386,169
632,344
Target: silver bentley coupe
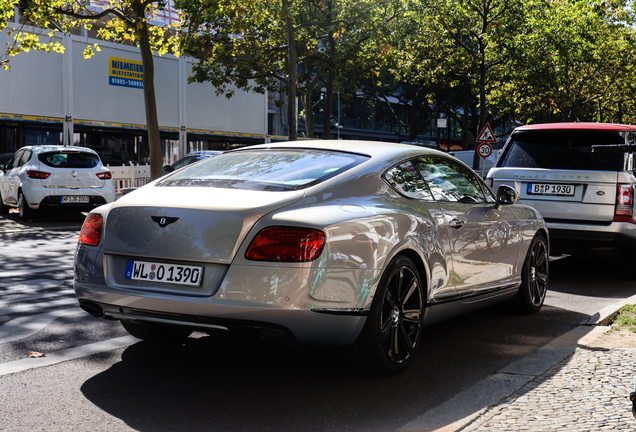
x,y
350,244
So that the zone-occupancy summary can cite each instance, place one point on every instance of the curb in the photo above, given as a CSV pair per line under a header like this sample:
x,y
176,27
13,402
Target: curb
x,y
459,411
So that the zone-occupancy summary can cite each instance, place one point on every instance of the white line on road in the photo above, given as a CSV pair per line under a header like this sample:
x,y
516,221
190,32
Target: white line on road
x,y
38,306
30,285
36,297
30,271
26,326
64,355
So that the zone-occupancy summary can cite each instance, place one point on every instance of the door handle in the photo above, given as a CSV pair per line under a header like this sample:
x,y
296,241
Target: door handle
x,y
456,223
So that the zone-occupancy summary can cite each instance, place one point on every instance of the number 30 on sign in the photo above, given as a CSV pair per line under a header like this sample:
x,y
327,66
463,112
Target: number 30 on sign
x,y
484,150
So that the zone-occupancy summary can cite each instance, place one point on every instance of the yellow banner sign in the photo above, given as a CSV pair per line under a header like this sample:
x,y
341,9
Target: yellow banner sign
x,y
125,73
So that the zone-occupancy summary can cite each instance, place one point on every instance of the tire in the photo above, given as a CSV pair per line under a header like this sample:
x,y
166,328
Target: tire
x,y
393,328
4,209
534,277
156,333
24,210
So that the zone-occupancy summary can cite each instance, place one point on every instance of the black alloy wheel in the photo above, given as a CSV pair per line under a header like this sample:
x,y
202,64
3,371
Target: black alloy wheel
x,y
394,326
534,275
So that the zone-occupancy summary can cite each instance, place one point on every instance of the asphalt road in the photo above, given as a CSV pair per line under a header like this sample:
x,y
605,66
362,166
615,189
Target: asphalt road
x,y
215,384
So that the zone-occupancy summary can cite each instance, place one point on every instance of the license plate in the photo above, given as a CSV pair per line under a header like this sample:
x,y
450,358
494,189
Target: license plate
x,y
550,189
75,199
164,273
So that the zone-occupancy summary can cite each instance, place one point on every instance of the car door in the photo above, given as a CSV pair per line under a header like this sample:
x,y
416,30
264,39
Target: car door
x,y
10,181
482,240
432,231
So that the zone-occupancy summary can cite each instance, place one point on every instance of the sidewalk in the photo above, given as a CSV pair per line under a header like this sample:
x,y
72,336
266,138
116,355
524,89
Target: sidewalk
x,y
573,383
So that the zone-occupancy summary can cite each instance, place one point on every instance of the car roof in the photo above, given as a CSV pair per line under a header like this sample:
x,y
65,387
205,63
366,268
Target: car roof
x,y
581,126
47,148
374,149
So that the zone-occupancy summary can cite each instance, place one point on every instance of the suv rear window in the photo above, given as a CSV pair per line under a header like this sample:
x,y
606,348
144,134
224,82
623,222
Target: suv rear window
x,y
266,170
562,150
62,159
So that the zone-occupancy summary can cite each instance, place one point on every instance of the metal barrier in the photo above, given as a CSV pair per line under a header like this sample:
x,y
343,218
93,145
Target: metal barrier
x,y
129,176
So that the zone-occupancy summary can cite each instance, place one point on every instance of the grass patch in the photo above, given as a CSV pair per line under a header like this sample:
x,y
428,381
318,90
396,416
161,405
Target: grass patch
x,y
626,318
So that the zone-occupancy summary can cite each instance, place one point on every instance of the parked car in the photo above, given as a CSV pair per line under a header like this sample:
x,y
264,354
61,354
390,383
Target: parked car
x,y
190,158
355,244
43,178
580,177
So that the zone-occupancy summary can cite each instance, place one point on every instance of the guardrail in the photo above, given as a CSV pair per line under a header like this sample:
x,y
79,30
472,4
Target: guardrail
x,y
129,176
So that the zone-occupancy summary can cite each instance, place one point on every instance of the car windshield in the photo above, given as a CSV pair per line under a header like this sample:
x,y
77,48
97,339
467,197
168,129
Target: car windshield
x,y
562,150
68,159
265,169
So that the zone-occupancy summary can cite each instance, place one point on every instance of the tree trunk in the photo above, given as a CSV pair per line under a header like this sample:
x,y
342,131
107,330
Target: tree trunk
x,y
292,73
150,102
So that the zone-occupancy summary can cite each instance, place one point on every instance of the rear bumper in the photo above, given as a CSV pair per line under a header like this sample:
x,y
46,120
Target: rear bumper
x,y
569,237
40,197
307,327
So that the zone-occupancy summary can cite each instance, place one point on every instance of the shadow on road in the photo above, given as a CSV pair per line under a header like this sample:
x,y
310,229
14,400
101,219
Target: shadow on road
x,y
228,385
49,220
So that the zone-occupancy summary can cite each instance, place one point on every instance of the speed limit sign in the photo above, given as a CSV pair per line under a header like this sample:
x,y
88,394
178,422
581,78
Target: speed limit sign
x,y
484,150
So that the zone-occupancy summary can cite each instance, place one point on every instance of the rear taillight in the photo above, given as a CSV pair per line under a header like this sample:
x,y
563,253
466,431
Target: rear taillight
x,y
105,175
289,244
489,182
37,174
91,232
624,203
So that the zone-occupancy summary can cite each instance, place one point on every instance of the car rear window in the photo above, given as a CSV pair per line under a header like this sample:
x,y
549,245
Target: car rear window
x,y
265,169
562,150
64,159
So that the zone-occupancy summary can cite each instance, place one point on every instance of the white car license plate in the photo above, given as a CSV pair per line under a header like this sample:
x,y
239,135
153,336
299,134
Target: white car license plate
x,y
75,199
550,189
165,273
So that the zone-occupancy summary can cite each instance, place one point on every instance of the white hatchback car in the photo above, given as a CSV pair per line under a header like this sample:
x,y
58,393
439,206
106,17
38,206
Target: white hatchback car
x,y
54,178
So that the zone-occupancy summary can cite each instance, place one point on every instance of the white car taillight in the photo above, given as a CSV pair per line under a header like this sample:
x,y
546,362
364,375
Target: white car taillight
x,y
624,203
105,175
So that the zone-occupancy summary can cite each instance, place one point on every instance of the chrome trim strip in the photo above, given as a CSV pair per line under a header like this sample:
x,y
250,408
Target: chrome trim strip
x,y
121,316
73,187
338,311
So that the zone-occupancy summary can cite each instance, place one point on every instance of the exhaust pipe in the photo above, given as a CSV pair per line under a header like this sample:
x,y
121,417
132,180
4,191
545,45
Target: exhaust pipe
x,y
92,308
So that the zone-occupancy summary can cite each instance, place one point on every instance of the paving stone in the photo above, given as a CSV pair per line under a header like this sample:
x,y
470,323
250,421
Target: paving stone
x,y
587,392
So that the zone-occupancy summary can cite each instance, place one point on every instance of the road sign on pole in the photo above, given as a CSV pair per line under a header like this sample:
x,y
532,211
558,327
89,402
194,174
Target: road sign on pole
x,y
487,135
484,149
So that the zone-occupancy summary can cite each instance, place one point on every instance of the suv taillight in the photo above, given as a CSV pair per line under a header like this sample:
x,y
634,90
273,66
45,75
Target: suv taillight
x,y
91,232
38,174
105,175
624,203
289,244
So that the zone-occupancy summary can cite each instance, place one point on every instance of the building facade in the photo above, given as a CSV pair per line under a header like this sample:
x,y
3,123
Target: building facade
x,y
51,98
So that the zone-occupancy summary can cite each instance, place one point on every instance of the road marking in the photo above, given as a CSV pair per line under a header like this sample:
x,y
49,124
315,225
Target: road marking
x,y
38,306
64,355
31,271
36,297
26,326
30,285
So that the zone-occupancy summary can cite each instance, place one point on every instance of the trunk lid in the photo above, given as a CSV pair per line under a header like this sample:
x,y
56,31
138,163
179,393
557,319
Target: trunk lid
x,y
199,224
593,196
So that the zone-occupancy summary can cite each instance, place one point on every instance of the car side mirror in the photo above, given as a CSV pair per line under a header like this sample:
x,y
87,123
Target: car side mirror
x,y
168,168
506,195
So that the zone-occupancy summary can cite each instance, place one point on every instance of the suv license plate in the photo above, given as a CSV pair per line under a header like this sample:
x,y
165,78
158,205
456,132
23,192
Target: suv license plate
x,y
550,189
165,273
75,199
